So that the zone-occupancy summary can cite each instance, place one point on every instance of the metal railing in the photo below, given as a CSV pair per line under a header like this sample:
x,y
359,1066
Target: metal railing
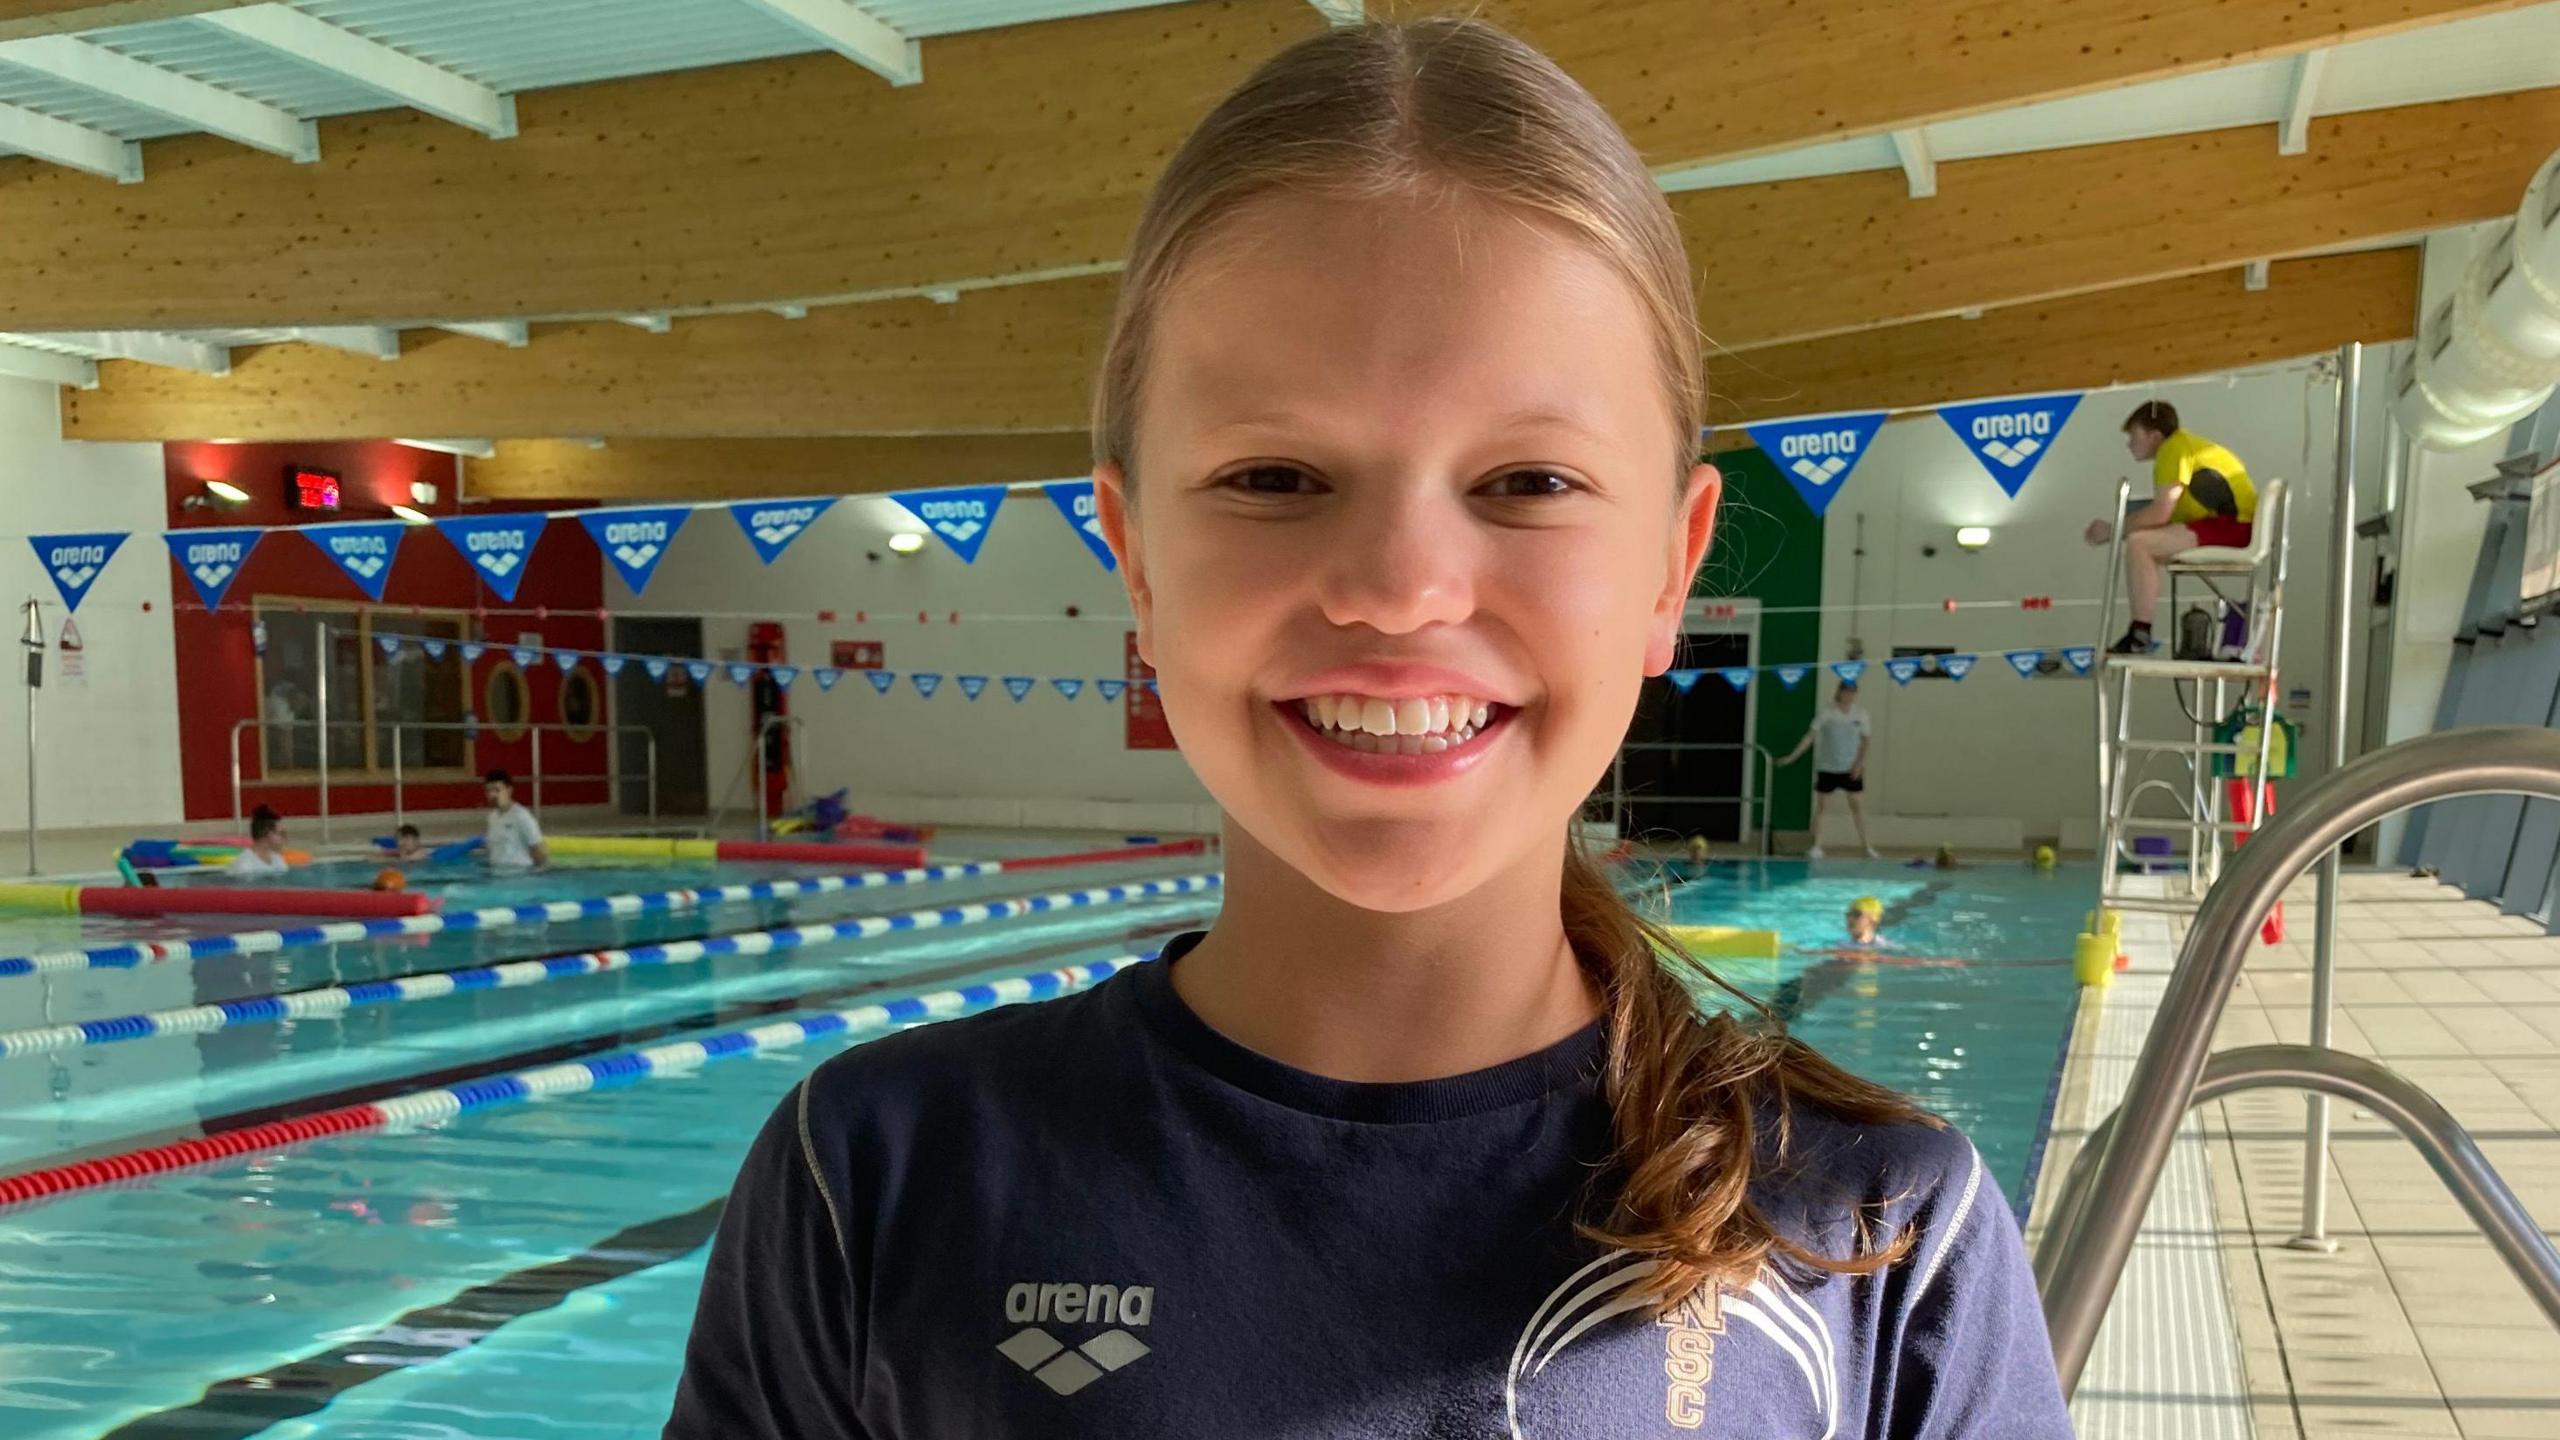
x,y
1752,799
2083,1254
535,779
764,737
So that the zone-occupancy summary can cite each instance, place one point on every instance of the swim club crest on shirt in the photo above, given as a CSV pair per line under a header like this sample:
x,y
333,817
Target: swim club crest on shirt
x,y
935,1236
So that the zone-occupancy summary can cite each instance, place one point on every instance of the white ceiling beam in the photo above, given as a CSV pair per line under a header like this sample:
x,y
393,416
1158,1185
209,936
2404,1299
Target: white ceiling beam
x,y
368,340
854,33
2253,276
1918,165
31,132
1341,14
167,93
654,324
475,449
44,365
511,333
376,66
2302,96
149,347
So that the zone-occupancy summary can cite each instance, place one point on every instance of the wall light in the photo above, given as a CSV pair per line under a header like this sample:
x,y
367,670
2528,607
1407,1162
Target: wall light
x,y
412,516
226,492
1973,537
422,492
906,542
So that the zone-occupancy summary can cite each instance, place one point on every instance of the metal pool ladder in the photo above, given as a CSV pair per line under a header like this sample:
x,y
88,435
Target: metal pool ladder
x,y
2110,1186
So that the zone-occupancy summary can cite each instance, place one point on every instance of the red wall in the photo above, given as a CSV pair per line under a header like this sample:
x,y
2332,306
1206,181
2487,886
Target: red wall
x,y
217,671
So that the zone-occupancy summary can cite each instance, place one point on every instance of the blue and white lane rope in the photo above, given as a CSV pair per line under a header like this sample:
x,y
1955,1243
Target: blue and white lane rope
x,y
326,1001
497,917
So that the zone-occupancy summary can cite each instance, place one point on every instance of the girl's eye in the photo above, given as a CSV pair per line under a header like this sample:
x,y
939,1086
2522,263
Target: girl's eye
x,y
1529,484
1272,480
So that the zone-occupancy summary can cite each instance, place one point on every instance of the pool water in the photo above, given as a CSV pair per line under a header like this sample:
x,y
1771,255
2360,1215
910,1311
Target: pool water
x,y
528,1272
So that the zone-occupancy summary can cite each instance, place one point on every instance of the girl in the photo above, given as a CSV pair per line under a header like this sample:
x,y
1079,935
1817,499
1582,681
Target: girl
x,y
1427,1136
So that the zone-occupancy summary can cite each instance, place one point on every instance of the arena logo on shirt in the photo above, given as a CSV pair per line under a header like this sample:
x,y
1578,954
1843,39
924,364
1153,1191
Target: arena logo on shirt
x,y
772,525
1817,455
2010,437
1066,1368
212,559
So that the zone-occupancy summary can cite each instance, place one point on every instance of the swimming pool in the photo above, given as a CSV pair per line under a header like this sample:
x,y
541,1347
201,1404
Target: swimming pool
x,y
528,1271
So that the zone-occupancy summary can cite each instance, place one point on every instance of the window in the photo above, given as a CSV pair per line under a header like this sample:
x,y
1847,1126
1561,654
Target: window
x,y
507,702
580,704
376,702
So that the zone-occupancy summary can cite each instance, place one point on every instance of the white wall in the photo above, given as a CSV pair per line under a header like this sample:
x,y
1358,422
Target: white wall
x,y
1994,758
1043,761
107,748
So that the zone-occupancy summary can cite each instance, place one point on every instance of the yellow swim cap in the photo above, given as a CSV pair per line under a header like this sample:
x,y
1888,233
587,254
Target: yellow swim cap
x,y
1867,905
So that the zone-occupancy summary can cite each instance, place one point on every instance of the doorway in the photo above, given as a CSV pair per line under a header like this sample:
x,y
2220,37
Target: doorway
x,y
669,709
1688,766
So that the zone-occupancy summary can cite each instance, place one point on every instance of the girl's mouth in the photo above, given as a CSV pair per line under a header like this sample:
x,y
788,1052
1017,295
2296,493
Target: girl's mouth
x,y
1423,725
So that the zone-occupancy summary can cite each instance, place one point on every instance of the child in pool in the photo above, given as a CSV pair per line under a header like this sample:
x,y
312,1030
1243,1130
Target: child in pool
x,y
1396,437
1864,920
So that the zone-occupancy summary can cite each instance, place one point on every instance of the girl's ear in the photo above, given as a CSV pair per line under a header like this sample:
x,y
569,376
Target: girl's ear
x,y
1111,510
1693,530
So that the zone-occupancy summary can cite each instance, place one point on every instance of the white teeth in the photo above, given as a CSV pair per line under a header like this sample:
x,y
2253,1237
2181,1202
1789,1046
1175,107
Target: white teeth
x,y
1438,719
1412,725
1482,717
1413,717
1378,717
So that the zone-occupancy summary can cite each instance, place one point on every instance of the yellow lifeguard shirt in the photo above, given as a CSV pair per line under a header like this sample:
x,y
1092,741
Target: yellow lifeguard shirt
x,y
2186,452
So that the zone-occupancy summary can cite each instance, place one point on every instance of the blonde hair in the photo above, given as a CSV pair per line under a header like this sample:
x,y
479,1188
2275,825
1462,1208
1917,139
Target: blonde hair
x,y
1455,108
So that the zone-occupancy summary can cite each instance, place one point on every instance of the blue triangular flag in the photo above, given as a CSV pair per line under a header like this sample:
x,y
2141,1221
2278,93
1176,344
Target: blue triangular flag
x,y
499,547
1737,676
783,675
960,515
2025,662
826,676
1848,670
1110,688
1152,687
1792,676
970,685
1018,686
1816,456
741,672
612,662
472,651
1956,666
656,665
926,682
1683,680
881,680
524,656
772,525
1074,499
2010,437
434,648
1068,685
212,558
1902,668
634,541
389,644
2081,657
700,670
363,550
567,660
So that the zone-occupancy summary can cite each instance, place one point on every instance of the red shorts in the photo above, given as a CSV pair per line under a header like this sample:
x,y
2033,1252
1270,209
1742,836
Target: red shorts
x,y
2222,530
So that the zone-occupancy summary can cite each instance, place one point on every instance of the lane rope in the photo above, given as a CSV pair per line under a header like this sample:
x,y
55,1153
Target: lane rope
x,y
331,1000
134,954
421,1108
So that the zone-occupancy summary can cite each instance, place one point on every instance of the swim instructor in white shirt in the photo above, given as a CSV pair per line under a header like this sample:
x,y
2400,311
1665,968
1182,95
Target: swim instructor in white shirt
x,y
515,837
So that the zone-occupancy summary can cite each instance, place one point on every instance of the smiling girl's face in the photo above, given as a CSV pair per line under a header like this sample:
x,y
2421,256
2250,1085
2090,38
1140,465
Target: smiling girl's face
x,y
1411,524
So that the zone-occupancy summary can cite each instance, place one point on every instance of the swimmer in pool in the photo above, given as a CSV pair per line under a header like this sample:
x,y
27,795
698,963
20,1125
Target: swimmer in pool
x,y
1865,920
408,844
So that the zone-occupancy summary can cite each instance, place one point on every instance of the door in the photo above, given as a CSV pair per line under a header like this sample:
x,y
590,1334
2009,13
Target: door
x,y
669,709
1685,759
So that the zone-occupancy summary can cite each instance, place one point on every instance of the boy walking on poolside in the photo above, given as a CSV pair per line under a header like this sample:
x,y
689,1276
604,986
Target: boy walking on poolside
x,y
1838,738
515,837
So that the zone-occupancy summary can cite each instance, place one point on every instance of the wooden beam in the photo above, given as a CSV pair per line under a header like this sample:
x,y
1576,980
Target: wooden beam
x,y
742,469
800,179
2162,331
1020,359
1801,258
20,19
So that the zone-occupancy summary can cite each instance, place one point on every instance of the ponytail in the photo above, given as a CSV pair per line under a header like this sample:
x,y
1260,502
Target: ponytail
x,y
1689,1095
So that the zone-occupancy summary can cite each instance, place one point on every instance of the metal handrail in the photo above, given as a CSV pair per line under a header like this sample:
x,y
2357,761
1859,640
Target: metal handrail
x,y
1763,799
764,733
2106,727
399,776
2088,1248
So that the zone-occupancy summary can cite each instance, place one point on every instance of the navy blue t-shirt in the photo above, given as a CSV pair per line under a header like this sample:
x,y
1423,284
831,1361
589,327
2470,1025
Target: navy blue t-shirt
x,y
1096,1216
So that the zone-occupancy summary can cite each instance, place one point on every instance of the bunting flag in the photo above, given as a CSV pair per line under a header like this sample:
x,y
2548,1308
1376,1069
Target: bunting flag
x,y
2025,662
212,558
1848,670
1068,686
472,650
635,540
1152,687
1683,680
826,676
1110,689
1018,686
783,675
700,670
926,682
741,673
1956,666
499,547
1074,499
1902,668
881,680
567,660
612,662
2080,657
970,685
524,656
2010,437
363,550
960,515
1737,676
655,665
1817,455
1792,676
388,644
435,648
772,525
